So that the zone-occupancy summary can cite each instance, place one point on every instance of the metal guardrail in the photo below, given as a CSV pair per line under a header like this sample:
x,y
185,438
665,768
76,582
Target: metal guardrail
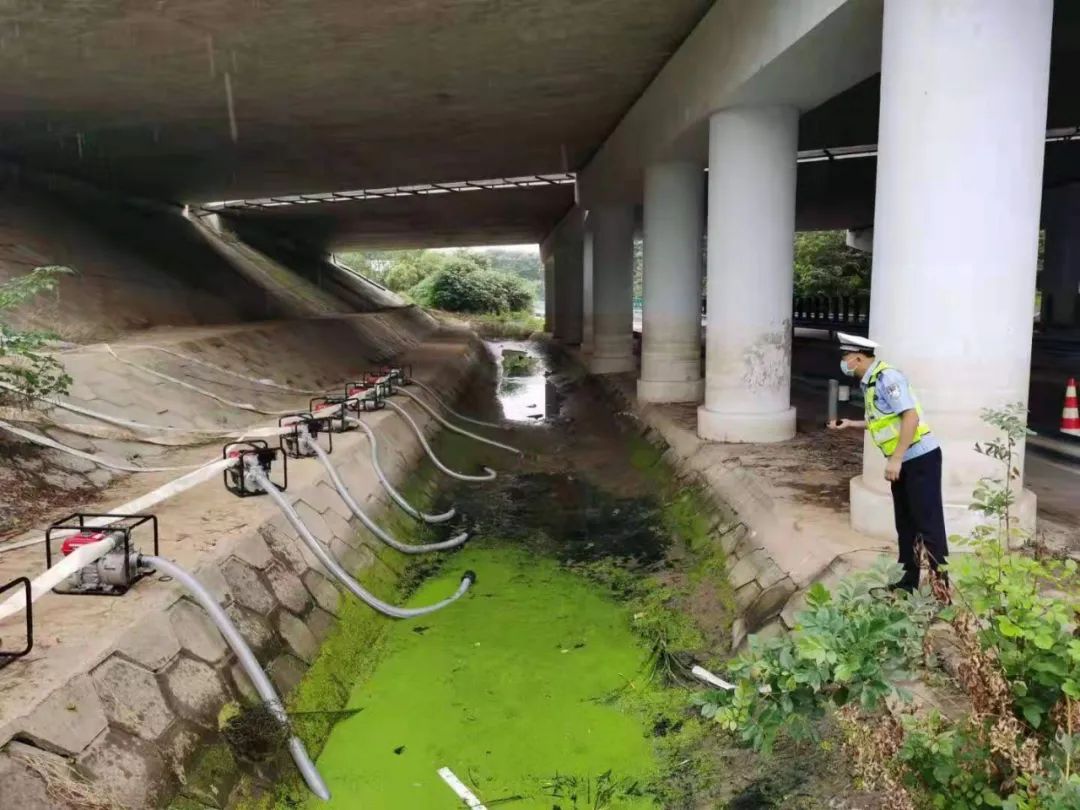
x,y
852,314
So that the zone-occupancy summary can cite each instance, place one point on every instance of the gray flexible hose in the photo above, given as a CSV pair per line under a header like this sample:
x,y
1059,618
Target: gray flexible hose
x,y
258,477
490,473
451,426
247,660
406,507
452,412
370,524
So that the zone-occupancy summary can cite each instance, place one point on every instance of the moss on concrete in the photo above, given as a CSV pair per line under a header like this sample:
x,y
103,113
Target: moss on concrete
x,y
212,776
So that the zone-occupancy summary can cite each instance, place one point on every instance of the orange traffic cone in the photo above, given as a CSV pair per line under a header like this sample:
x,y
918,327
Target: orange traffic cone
x,y
1070,415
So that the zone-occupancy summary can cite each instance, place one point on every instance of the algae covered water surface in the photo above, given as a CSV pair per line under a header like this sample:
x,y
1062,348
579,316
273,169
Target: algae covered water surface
x,y
515,688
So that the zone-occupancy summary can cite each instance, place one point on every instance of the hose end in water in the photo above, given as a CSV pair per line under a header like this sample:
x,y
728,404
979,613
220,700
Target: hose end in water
x,y
469,576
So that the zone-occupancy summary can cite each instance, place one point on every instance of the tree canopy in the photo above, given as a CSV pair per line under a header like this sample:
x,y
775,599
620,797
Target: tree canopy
x,y
825,265
475,281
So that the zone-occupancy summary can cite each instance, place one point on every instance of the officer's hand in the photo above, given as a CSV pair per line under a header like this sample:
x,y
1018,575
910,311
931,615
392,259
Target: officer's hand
x,y
892,469
843,424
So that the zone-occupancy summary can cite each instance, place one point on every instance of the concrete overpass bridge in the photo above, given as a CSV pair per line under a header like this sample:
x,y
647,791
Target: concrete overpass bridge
x,y
925,121
196,162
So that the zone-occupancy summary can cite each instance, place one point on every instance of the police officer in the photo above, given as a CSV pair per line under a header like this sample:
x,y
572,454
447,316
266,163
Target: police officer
x,y
913,455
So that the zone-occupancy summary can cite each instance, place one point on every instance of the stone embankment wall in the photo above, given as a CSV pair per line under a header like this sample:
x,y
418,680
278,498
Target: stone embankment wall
x,y
121,694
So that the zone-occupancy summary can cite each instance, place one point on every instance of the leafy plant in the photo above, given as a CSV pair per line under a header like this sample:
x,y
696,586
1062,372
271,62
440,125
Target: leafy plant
x,y
1013,620
461,288
825,265
27,371
853,646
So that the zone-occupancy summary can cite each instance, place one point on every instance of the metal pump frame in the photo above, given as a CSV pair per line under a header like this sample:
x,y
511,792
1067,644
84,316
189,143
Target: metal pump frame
x,y
7,656
373,394
125,525
315,426
266,455
337,422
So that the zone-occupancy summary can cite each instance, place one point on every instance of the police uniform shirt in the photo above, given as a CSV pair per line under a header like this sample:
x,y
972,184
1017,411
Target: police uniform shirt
x,y
892,395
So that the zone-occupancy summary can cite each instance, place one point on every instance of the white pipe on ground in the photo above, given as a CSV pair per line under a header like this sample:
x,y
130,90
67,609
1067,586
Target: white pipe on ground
x,y
112,464
489,473
397,497
258,478
249,662
143,502
451,426
371,526
43,583
452,412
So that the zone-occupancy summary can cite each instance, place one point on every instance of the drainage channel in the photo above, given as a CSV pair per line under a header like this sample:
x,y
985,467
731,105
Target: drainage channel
x,y
563,678
535,689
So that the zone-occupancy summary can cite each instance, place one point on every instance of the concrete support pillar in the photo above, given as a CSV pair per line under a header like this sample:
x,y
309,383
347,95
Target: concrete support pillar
x,y
1061,266
613,288
549,295
587,291
671,317
568,289
953,309
750,255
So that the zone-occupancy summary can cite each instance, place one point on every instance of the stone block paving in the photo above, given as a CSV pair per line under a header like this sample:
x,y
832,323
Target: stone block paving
x,y
139,717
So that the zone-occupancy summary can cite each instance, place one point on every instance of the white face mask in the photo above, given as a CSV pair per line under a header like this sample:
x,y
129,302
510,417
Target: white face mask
x,y
849,371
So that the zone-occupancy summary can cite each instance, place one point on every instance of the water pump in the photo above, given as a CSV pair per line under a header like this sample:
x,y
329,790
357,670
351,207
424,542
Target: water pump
x,y
338,422
290,442
364,395
113,573
255,452
399,375
9,655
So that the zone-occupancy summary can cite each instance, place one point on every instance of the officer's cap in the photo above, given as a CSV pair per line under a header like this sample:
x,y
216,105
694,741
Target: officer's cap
x,y
854,343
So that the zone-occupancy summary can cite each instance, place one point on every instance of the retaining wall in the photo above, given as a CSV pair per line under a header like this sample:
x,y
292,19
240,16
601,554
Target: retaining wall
x,y
779,547
128,699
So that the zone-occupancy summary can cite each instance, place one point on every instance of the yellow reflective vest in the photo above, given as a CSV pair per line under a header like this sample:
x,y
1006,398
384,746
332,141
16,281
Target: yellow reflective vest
x,y
885,427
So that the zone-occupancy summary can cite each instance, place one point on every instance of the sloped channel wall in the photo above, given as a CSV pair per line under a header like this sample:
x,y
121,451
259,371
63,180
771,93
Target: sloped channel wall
x,y
130,718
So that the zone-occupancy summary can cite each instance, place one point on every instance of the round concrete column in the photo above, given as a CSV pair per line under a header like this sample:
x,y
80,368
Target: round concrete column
x,y
671,317
613,289
568,292
549,295
587,292
956,228
750,253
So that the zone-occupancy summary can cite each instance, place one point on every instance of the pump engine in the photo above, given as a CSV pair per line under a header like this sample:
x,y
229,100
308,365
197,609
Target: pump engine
x,y
117,569
364,395
290,442
257,452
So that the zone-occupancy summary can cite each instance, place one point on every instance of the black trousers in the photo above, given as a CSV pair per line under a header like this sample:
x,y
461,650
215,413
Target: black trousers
x,y
919,514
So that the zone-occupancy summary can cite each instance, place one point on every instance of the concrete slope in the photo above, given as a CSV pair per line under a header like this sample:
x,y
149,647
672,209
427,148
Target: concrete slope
x,y
125,690
141,264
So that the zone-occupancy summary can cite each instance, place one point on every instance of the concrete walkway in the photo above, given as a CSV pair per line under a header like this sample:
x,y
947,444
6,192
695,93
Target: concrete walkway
x,y
791,499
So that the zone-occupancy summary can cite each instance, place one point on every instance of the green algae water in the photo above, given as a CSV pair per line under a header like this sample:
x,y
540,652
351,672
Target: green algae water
x,y
562,680
515,688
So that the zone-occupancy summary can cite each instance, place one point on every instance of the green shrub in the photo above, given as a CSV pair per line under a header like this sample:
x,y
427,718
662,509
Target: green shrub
x,y
460,288
25,366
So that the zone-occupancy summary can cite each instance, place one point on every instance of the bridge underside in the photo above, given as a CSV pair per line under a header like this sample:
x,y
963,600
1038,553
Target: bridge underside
x,y
216,99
